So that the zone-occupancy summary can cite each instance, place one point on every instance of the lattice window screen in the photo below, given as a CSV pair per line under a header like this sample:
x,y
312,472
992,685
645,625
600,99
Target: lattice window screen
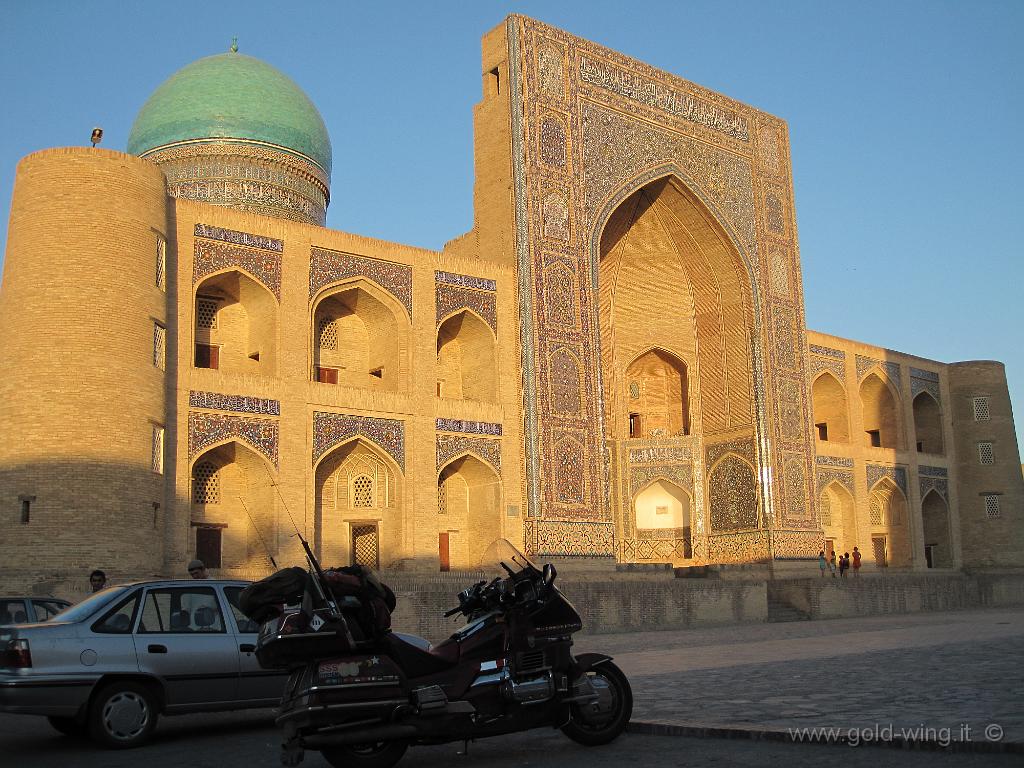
x,y
825,510
982,409
876,509
362,491
161,263
442,500
985,453
634,390
878,546
157,453
365,545
206,313
992,506
329,334
205,484
159,346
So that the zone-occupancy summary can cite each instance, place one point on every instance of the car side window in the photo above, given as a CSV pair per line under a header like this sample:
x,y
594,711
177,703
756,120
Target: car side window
x,y
12,612
118,621
46,609
181,610
244,623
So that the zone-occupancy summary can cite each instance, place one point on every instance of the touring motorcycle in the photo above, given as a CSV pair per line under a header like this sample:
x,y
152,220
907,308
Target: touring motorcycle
x,y
362,696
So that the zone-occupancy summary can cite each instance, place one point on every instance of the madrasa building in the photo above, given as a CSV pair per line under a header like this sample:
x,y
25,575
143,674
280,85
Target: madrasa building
x,y
612,365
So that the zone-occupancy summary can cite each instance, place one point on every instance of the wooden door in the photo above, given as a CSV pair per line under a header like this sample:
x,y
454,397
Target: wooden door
x,y
442,551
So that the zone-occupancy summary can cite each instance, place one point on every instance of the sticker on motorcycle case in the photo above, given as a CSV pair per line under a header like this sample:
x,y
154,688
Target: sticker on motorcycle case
x,y
364,670
316,623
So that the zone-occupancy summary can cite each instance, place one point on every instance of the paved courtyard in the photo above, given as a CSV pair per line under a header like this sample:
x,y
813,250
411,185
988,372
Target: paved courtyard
x,y
937,676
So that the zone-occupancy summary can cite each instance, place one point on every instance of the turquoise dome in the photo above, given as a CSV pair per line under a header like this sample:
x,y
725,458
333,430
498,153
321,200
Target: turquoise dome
x,y
232,96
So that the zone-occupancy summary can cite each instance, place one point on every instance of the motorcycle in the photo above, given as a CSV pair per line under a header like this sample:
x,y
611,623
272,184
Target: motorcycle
x,y
362,698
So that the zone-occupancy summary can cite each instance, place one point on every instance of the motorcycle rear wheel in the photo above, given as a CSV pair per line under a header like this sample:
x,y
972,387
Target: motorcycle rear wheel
x,y
380,754
594,728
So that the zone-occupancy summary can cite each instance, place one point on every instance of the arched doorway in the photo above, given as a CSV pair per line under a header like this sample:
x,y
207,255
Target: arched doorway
x,y
467,366
235,325
662,512
890,538
938,545
658,394
358,516
232,509
469,511
838,512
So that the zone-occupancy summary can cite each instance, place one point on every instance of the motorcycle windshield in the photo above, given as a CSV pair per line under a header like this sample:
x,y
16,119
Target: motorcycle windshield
x,y
503,551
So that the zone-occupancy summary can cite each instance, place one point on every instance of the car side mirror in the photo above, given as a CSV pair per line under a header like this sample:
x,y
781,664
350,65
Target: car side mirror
x,y
549,574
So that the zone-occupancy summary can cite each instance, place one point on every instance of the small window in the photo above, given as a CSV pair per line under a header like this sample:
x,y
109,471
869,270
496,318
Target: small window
x,y
492,83
207,356
442,500
634,425
161,263
440,388
159,346
822,431
26,509
878,549
986,455
362,491
992,505
208,544
327,375
982,409
875,438
157,450
378,372
119,620
205,485
920,446
634,390
206,312
328,334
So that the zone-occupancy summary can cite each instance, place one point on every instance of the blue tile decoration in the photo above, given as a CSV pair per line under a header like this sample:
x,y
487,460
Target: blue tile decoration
x,y
239,403
834,461
326,267
451,446
468,427
876,472
465,281
937,484
452,298
206,429
211,256
932,471
211,232
823,476
332,429
920,373
817,349
558,538
892,370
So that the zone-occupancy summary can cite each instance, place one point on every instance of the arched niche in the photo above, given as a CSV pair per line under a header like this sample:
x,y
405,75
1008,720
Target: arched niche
x,y
469,509
360,338
467,364
928,424
732,495
935,522
235,325
661,505
838,512
670,277
232,508
889,526
831,418
879,414
657,390
358,490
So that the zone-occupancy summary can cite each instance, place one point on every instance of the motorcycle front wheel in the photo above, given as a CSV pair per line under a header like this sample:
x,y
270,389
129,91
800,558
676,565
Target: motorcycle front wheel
x,y
380,754
599,722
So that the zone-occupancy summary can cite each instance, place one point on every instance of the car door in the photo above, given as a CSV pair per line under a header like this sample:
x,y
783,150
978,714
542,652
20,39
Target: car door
x,y
182,638
254,682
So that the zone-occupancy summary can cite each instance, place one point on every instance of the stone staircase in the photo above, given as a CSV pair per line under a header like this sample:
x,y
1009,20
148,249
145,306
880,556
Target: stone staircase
x,y
780,611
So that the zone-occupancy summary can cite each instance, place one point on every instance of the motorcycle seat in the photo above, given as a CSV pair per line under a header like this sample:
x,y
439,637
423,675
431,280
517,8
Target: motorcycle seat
x,y
416,662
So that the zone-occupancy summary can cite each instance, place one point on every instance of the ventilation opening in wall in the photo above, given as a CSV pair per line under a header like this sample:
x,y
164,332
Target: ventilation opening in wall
x,y
920,446
822,432
26,507
254,356
991,505
875,438
634,425
982,409
492,83
986,455
378,372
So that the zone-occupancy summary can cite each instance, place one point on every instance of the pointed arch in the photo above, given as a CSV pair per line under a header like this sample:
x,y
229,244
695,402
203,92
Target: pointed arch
x,y
469,508
732,494
235,323
831,410
662,504
839,517
928,423
889,524
467,358
938,540
879,413
657,390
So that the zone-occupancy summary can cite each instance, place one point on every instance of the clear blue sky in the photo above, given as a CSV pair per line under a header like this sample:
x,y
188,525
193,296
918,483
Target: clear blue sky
x,y
905,121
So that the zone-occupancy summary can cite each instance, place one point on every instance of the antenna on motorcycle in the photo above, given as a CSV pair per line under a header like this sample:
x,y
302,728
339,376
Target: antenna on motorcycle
x,y
259,533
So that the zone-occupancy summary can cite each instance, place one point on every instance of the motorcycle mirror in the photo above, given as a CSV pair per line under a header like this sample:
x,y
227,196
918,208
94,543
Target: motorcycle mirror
x,y
549,574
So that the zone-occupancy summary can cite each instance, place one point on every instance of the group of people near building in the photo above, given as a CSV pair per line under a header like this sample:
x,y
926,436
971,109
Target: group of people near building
x,y
844,563
98,579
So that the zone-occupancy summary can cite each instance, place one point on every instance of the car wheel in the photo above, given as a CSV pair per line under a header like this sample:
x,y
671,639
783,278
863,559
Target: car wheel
x,y
381,754
69,726
602,721
123,715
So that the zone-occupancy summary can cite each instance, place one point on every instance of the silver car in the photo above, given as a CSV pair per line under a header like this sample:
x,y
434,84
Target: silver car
x,y
25,610
111,664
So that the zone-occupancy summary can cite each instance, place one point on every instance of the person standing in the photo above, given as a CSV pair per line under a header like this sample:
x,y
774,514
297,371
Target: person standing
x,y
197,570
822,563
97,580
856,562
844,564
832,563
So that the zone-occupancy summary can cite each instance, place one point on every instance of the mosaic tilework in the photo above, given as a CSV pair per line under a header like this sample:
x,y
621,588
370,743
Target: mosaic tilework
x,y
656,454
836,367
239,403
662,533
817,349
795,479
824,510
898,475
451,298
553,149
790,408
774,214
892,370
211,232
640,477
779,271
450,446
740,547
940,485
919,373
560,296
924,381
925,471
565,376
331,429
732,495
569,478
795,544
555,217
214,256
824,476
834,461
771,153
666,550
206,429
326,267
465,281
743,446
563,538
468,427
551,70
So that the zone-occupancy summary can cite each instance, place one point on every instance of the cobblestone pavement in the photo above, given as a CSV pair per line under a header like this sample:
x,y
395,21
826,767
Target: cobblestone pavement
x,y
933,676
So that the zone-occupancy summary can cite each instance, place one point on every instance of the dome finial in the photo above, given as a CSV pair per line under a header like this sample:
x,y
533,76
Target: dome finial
x,y
234,45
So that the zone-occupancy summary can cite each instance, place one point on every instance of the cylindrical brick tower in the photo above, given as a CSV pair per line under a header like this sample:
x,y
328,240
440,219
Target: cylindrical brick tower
x,y
83,392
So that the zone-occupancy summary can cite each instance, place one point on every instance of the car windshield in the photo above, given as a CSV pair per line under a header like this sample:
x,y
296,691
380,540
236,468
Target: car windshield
x,y
502,551
90,605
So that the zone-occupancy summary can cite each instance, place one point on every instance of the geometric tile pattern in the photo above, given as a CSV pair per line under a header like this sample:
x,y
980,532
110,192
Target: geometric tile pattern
x,y
326,267
206,429
449,446
215,401
330,429
214,256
